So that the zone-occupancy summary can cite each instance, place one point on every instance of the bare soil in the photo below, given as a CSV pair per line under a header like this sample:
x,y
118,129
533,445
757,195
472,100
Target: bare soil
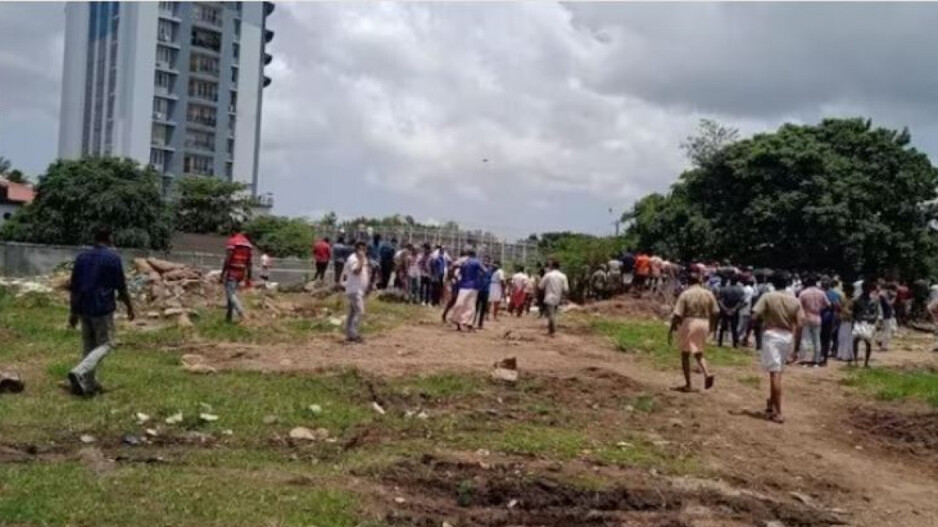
x,y
829,463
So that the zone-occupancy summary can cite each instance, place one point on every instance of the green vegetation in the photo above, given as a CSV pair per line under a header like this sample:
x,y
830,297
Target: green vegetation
x,y
649,338
891,384
839,195
74,198
280,236
208,205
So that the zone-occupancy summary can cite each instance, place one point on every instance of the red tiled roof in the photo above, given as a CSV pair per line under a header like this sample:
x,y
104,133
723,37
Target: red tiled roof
x,y
18,192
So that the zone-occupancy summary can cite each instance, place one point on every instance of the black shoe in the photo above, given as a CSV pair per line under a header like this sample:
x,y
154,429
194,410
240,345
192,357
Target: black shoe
x,y
78,387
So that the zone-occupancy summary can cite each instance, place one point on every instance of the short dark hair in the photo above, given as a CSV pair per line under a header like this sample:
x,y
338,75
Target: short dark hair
x,y
780,279
519,268
102,235
360,244
554,264
326,239
341,239
470,253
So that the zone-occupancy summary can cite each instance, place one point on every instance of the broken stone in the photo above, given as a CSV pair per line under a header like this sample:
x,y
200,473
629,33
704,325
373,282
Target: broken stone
x,y
506,375
130,439
208,418
509,363
322,433
87,439
142,417
269,419
315,409
512,504
399,500
377,407
301,432
803,498
184,321
153,314
195,363
227,432
152,432
772,523
423,415
11,382
335,321
176,418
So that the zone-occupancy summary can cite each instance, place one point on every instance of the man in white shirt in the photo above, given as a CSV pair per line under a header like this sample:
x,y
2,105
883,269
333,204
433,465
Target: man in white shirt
x,y
555,286
357,276
519,282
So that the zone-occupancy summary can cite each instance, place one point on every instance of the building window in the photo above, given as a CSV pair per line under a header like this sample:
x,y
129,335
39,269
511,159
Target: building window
x,y
166,57
207,14
230,147
164,83
166,31
200,165
161,109
200,140
203,89
236,50
233,102
168,8
206,39
237,28
203,64
161,135
199,114
234,75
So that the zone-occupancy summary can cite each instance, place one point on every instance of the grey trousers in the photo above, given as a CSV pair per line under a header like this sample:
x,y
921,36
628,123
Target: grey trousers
x,y
356,309
551,312
234,303
97,335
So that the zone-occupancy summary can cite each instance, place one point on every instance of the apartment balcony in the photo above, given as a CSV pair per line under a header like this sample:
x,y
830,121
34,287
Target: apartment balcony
x,y
267,81
207,125
200,148
162,118
204,99
211,75
163,65
161,145
207,24
267,58
268,8
167,40
163,91
268,35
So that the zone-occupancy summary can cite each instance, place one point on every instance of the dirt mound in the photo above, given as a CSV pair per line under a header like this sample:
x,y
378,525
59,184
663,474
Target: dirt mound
x,y
630,307
433,491
916,433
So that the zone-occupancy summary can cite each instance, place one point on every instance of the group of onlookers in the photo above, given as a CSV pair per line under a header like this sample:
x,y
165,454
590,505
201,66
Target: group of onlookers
x,y
631,271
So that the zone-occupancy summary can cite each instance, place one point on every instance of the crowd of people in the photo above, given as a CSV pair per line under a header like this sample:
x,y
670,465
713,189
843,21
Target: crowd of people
x,y
807,319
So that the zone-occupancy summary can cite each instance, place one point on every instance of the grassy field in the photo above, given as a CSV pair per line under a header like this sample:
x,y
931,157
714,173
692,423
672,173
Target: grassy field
x,y
649,339
241,469
890,384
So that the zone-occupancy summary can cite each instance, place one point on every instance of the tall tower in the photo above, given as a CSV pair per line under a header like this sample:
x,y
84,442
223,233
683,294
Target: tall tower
x,y
177,85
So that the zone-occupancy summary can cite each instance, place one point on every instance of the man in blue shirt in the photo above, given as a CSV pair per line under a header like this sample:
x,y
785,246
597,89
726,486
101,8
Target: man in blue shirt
x,y
471,276
96,276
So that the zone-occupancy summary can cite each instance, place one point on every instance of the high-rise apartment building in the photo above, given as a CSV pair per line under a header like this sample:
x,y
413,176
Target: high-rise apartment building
x,y
177,85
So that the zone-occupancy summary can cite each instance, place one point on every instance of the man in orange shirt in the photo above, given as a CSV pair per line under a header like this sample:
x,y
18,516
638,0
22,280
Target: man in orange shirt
x,y
642,271
236,269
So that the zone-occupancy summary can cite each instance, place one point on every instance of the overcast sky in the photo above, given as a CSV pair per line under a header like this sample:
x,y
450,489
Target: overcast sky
x,y
577,108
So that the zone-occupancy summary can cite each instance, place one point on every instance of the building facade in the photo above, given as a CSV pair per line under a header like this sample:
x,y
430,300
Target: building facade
x,y
177,85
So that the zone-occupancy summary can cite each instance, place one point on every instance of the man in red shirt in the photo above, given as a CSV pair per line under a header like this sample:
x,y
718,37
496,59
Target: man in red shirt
x,y
322,253
237,268
642,271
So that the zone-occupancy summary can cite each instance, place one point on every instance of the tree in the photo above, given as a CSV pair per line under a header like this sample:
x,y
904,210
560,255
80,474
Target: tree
x,y
16,176
76,197
280,236
5,165
704,148
205,205
330,219
840,196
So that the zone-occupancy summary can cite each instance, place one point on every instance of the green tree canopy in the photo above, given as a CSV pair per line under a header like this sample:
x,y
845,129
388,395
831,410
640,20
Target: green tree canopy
x,y
76,197
206,205
841,196
281,237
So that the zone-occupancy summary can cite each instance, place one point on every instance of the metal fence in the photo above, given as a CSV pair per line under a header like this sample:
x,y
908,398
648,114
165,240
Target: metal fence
x,y
524,252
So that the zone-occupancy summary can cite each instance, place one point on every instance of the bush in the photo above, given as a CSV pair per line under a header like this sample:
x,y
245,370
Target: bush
x,y
281,237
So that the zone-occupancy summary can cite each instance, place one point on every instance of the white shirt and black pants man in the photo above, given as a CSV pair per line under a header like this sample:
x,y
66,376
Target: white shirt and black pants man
x,y
357,273
554,284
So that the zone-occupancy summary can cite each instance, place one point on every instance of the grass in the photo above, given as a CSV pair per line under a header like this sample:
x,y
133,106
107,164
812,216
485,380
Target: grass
x,y
649,339
67,493
252,476
890,384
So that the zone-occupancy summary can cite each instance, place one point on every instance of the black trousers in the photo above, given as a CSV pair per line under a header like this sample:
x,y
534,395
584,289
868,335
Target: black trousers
x,y
436,291
830,343
729,321
482,307
321,268
425,290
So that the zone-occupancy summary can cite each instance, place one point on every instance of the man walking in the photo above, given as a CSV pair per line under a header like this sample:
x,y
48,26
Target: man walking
x,y
236,269
471,275
554,284
357,275
322,253
781,316
695,314
731,301
813,302
96,276
830,321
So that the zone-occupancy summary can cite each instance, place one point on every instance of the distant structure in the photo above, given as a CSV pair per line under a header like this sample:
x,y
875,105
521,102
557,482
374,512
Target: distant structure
x,y
13,196
177,85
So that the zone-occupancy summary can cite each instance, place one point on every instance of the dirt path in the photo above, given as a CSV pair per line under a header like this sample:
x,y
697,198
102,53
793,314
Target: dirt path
x,y
817,454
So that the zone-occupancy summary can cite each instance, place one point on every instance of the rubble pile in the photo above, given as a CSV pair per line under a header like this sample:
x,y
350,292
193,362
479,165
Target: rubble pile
x,y
171,289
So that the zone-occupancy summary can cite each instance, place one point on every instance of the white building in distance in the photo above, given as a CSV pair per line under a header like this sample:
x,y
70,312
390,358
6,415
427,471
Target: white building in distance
x,y
177,85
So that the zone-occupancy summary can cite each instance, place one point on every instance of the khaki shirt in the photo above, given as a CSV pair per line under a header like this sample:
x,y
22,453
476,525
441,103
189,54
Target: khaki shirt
x,y
696,302
779,310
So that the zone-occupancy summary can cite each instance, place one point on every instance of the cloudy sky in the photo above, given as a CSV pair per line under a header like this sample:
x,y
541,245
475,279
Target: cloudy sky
x,y
521,117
